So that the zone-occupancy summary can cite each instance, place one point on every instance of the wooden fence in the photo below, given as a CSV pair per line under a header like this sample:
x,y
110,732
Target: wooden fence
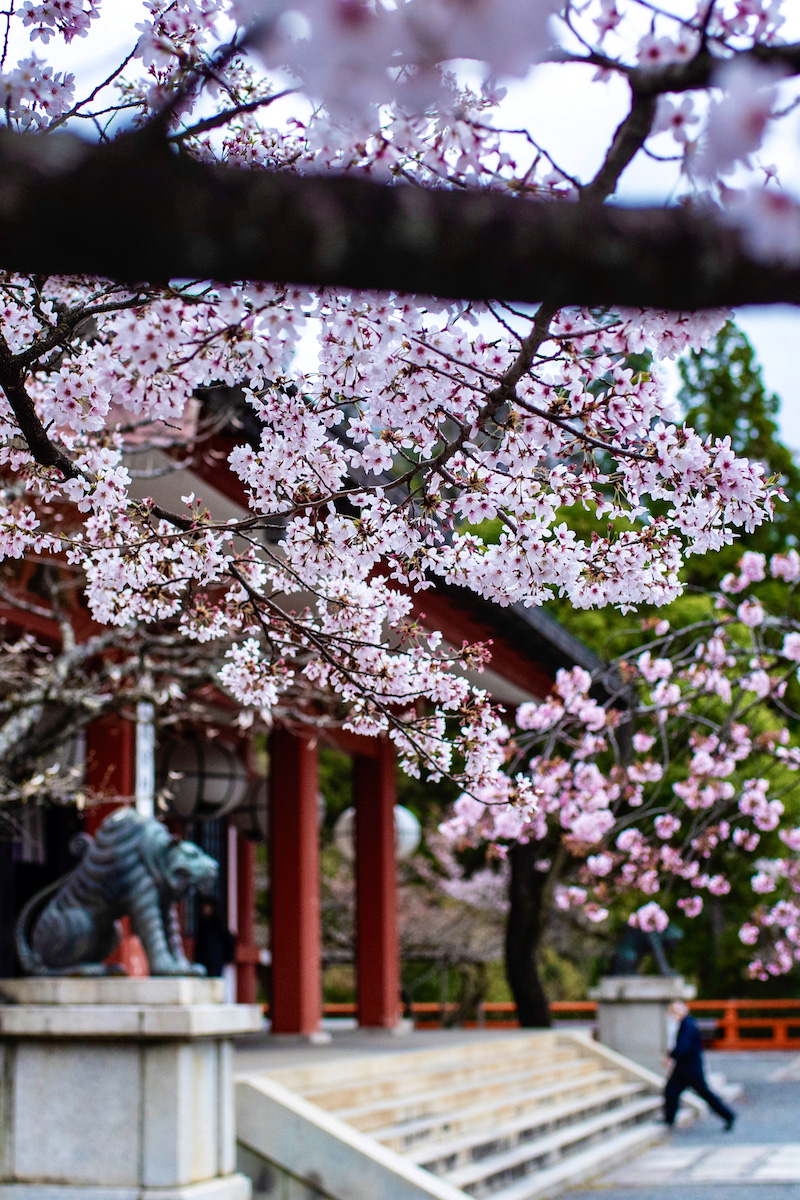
x,y
740,1024
752,1024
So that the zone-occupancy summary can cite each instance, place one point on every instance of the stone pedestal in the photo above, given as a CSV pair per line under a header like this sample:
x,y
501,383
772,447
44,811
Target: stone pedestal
x,y
632,1014
118,1089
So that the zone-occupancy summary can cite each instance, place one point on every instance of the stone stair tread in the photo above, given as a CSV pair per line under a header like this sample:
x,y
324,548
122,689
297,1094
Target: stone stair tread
x,y
429,1152
464,1177
583,1165
581,1068
472,1073
486,1109
344,1070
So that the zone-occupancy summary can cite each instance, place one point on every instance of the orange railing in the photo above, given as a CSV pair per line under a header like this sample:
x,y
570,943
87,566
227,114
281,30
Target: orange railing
x,y
740,1024
498,1014
753,1024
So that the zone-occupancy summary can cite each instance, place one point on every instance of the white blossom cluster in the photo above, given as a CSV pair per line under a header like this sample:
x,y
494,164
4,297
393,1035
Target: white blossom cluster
x,y
390,429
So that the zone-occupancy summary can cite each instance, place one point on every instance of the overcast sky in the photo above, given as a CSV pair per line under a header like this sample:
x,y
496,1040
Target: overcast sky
x,y
574,120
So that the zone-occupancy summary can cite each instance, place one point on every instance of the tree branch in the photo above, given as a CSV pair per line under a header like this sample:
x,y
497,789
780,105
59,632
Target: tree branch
x,y
625,145
135,210
222,118
690,75
700,71
44,451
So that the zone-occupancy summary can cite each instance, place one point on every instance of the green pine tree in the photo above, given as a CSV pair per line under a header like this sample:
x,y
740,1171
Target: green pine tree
x,y
723,395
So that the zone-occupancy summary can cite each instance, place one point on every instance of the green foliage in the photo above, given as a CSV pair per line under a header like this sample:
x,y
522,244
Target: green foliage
x,y
427,982
723,395
563,979
339,984
429,801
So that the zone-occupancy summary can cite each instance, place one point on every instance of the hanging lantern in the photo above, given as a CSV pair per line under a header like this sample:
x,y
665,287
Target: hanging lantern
x,y
205,779
407,833
251,818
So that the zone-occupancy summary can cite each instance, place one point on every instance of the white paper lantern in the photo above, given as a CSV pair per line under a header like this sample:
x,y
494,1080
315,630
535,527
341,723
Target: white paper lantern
x,y
407,833
206,779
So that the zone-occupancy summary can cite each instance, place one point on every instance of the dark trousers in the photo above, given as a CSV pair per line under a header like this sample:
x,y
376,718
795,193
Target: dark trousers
x,y
678,1082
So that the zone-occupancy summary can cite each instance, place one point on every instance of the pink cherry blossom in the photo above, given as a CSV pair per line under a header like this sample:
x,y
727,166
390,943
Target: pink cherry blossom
x,y
676,119
650,917
786,566
737,121
769,223
750,613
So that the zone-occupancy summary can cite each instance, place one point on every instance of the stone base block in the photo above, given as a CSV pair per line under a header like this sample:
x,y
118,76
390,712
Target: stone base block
x,y
119,1089
235,1187
112,989
632,1014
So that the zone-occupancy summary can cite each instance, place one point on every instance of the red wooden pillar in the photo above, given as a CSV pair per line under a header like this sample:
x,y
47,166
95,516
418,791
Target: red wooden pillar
x,y
296,1002
378,951
246,949
110,766
111,771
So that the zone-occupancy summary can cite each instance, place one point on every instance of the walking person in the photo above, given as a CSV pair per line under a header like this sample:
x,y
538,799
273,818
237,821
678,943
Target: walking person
x,y
687,1071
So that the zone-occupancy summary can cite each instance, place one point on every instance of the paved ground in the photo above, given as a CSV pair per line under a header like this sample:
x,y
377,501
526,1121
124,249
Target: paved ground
x,y
758,1160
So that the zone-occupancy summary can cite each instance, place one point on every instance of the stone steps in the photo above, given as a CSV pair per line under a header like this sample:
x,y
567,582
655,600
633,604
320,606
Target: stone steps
x,y
512,1118
403,1080
583,1165
413,1137
490,1175
447,1154
453,1098
372,1066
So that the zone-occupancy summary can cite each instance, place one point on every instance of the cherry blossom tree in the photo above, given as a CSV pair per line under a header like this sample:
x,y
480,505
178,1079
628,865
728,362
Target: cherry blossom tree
x,y
255,167
682,776
53,685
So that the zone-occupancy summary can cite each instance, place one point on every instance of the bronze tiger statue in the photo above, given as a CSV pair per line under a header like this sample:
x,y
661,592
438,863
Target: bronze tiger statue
x,y
133,867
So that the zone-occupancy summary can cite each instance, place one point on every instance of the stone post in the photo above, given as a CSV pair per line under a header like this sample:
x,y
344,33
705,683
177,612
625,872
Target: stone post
x,y
118,1089
632,1014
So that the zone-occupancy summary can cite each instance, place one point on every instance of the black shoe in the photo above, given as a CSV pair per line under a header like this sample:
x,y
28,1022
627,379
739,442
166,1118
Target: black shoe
x,y
729,1122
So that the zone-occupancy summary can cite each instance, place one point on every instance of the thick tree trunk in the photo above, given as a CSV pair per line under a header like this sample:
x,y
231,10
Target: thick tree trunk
x,y
530,893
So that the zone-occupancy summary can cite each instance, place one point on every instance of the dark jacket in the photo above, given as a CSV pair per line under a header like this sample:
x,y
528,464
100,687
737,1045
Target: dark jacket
x,y
688,1052
215,945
